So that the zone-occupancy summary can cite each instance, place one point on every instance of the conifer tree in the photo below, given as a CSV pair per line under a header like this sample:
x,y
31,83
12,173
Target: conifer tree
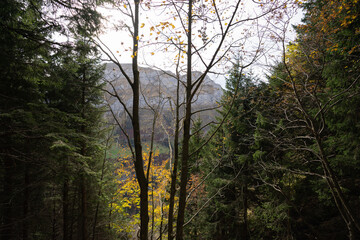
x,y
51,132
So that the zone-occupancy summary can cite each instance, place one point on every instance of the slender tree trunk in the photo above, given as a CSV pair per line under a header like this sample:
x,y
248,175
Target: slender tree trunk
x,y
99,192
54,217
83,209
175,166
139,169
72,216
353,232
66,209
96,217
26,203
331,178
110,211
65,203
161,221
152,213
245,204
184,175
186,137
338,195
6,230
139,164
83,153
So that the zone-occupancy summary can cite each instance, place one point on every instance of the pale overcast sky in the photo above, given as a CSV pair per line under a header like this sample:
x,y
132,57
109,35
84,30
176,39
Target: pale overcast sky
x,y
119,41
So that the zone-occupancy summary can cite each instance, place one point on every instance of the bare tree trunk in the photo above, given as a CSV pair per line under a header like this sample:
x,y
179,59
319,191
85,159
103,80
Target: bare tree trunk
x,y
175,166
136,147
83,209
315,129
338,195
65,209
245,202
161,221
152,213
186,138
72,216
99,192
110,211
353,232
6,229
139,164
26,203
53,235
83,153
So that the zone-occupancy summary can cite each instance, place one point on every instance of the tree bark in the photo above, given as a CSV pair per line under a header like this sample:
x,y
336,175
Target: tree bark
x,y
83,153
99,192
72,216
83,210
139,164
338,195
6,230
176,160
331,178
186,138
65,207
245,202
26,203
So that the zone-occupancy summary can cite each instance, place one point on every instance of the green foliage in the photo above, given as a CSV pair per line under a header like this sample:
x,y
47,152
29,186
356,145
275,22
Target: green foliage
x,y
258,155
51,132
264,171
226,165
276,134
273,216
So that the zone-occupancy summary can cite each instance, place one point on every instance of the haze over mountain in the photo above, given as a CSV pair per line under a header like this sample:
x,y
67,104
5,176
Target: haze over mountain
x,y
158,89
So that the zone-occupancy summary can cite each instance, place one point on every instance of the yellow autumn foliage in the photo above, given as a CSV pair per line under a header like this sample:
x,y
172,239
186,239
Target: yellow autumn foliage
x,y
127,195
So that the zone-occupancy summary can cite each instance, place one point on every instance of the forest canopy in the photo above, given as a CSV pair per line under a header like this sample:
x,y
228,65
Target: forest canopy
x,y
89,151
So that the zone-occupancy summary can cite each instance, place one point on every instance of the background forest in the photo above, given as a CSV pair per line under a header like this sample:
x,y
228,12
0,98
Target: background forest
x,y
281,160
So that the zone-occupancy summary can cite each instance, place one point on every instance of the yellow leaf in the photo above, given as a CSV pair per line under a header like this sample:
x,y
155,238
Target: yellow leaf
x,y
132,56
152,53
142,25
137,37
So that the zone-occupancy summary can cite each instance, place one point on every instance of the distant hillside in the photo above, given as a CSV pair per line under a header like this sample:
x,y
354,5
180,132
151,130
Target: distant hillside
x,y
158,90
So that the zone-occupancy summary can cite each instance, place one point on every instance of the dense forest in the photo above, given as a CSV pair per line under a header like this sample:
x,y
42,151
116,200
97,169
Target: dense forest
x,y
281,159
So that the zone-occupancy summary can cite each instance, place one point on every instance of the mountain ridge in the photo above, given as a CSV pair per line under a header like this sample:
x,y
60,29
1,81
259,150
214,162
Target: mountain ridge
x,y
158,96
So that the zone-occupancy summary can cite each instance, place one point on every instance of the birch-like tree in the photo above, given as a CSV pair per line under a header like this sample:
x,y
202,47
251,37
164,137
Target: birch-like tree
x,y
195,38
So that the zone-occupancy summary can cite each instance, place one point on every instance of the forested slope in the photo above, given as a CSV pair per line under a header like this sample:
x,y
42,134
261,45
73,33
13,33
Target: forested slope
x,y
285,165
281,159
53,173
